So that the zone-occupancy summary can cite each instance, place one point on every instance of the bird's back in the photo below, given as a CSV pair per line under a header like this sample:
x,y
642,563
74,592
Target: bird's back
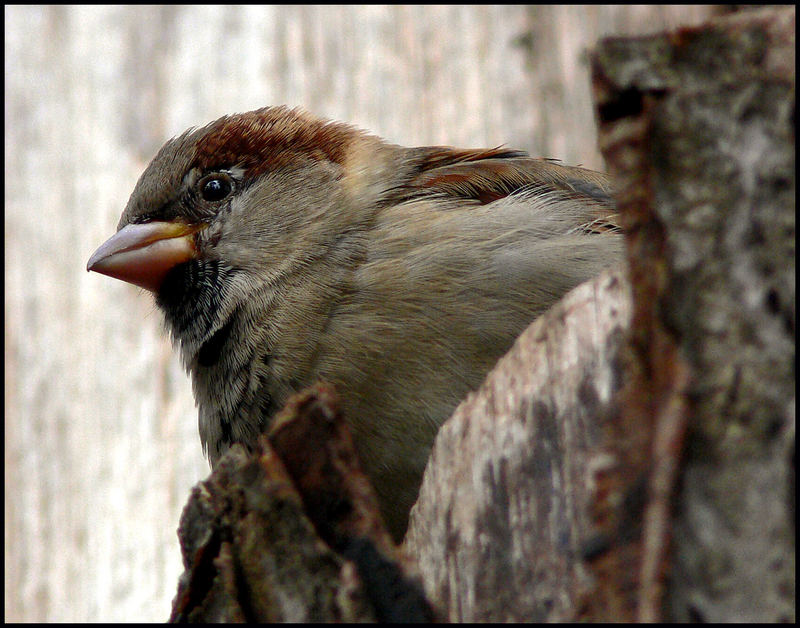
x,y
451,276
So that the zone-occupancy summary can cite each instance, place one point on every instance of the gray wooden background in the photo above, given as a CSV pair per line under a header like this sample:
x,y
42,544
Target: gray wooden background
x,y
101,444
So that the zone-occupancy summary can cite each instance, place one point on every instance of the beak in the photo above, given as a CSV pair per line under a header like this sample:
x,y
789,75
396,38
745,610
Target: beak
x,y
143,254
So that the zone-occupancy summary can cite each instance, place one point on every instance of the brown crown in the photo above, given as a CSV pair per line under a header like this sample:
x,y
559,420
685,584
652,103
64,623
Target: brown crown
x,y
271,138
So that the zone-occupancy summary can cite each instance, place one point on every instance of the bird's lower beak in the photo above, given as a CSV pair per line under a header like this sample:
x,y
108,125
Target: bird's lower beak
x,y
143,254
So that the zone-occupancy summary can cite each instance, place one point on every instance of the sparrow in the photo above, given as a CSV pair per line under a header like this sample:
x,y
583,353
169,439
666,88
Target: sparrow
x,y
284,249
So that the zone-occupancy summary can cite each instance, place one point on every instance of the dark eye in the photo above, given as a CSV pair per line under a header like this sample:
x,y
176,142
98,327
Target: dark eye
x,y
215,187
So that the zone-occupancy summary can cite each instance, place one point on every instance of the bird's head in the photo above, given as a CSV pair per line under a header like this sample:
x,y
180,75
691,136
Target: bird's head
x,y
237,204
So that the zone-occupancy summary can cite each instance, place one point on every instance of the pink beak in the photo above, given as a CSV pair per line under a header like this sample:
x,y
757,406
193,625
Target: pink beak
x,y
142,254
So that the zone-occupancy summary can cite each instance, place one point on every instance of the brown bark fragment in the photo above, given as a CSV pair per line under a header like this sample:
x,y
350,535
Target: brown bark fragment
x,y
292,533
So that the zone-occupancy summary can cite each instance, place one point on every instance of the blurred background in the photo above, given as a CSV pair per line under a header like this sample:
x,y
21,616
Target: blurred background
x,y
101,444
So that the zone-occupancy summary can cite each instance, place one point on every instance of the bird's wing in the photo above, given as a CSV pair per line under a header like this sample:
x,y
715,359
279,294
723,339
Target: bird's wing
x,y
487,175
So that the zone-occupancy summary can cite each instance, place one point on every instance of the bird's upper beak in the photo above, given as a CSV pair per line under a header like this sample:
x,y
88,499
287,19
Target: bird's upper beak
x,y
142,254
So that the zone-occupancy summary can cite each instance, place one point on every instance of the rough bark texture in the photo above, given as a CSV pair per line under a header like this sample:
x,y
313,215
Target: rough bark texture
x,y
251,554
698,130
502,523
293,533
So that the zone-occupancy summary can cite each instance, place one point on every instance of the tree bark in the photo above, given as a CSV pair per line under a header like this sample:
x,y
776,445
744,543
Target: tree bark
x,y
502,523
293,532
698,131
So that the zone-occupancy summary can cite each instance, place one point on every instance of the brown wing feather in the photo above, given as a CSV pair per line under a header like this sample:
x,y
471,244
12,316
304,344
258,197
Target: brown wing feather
x,y
487,175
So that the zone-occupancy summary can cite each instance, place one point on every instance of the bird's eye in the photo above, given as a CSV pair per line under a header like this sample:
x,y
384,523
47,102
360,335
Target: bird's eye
x,y
216,187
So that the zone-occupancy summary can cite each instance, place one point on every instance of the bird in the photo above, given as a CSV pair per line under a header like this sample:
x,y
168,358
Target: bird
x,y
285,249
